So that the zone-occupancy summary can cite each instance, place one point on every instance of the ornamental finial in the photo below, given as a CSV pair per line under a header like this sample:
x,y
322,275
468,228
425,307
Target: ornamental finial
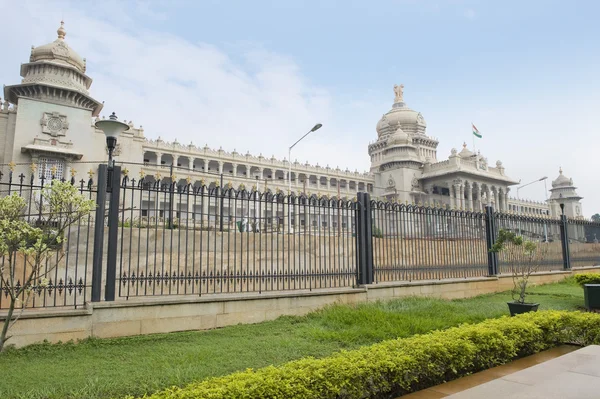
x,y
399,93
61,30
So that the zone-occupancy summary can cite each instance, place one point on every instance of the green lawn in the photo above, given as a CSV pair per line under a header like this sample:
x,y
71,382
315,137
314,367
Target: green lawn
x,y
111,368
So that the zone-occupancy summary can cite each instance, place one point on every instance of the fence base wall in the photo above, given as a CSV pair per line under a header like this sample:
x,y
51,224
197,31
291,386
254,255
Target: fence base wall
x,y
163,315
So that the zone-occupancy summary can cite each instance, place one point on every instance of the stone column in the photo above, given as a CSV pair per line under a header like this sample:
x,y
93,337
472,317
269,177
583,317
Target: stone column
x,y
159,158
235,165
462,196
220,167
191,163
497,199
470,205
175,159
452,196
506,201
457,199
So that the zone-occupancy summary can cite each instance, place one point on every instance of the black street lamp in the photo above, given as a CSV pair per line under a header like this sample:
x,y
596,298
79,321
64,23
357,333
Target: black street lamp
x,y
112,128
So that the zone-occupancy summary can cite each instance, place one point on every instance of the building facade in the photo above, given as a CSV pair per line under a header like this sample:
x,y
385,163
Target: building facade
x,y
48,120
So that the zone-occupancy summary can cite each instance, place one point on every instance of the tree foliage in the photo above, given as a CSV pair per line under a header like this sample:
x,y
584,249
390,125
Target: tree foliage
x,y
524,257
38,243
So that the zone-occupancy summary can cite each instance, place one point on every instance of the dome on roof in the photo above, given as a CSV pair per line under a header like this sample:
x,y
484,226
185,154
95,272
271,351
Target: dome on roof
x,y
401,116
562,180
466,153
58,52
399,137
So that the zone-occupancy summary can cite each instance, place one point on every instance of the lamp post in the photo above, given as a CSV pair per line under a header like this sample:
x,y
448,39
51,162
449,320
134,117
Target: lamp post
x,y
315,128
112,128
519,198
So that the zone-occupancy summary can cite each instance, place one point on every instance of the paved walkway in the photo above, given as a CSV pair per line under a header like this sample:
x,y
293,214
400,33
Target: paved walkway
x,y
566,372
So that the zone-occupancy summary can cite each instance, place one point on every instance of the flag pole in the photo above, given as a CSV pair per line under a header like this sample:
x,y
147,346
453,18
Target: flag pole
x,y
472,134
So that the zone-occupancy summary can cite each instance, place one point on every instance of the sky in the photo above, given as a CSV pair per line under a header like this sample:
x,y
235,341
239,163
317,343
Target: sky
x,y
256,75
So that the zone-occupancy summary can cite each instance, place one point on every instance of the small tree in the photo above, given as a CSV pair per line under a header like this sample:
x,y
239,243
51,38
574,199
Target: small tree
x,y
40,247
596,218
525,258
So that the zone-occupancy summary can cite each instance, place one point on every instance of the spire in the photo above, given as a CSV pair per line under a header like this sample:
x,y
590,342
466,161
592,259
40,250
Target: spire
x,y
61,31
560,170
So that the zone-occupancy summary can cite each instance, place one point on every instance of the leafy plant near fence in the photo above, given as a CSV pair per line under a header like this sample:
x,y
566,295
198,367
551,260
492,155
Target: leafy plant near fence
x,y
525,257
39,243
402,365
587,278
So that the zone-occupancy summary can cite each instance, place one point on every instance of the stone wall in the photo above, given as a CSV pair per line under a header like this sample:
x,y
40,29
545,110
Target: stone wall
x,y
169,314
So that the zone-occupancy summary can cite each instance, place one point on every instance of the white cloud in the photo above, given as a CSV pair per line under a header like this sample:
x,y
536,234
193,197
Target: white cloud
x,y
470,13
254,100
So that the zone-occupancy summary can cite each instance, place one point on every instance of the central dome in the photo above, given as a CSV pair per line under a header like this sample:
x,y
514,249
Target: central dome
x,y
58,52
401,116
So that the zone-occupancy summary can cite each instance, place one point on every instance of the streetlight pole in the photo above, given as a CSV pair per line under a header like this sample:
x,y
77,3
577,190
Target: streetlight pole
x,y
519,198
315,128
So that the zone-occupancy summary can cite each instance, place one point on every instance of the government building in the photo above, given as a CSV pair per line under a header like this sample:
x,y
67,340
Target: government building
x,y
48,120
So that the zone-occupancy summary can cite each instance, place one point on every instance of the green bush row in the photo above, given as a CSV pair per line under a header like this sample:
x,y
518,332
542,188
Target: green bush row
x,y
402,365
587,278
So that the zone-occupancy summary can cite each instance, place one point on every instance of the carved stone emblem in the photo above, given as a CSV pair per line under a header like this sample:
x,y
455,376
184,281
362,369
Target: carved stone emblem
x,y
415,182
391,182
61,49
54,124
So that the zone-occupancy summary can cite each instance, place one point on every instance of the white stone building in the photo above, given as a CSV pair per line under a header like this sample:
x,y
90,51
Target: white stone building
x,y
48,119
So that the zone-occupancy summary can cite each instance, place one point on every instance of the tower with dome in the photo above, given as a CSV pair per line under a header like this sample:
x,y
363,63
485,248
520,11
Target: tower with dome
x,y
405,166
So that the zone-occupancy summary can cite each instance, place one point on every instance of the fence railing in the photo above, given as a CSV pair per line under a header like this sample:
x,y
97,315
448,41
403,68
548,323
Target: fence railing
x,y
422,243
198,240
160,237
64,280
543,230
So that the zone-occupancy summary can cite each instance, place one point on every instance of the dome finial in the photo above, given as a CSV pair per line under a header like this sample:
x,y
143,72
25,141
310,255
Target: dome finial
x,y
560,170
399,93
464,144
61,31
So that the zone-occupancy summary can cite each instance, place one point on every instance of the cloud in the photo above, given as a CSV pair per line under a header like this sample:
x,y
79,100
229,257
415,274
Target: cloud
x,y
251,100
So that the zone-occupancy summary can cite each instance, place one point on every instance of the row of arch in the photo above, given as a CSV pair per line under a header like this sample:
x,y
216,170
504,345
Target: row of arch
x,y
215,167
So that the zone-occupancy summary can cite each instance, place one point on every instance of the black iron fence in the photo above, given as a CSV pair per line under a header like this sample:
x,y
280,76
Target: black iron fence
x,y
543,230
64,278
196,239
421,243
161,236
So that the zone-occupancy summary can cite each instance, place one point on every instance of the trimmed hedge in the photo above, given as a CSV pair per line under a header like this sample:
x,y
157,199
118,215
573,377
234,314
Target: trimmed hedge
x,y
395,367
587,278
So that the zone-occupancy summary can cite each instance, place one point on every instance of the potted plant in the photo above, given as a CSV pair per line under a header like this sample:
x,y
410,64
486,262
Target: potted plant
x,y
591,289
525,258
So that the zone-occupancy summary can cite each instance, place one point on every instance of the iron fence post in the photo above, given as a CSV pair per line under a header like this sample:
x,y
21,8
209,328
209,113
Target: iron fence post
x,y
364,239
220,191
564,239
113,230
99,234
490,235
171,198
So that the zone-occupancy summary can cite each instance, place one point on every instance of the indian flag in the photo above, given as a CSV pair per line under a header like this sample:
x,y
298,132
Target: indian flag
x,y
476,132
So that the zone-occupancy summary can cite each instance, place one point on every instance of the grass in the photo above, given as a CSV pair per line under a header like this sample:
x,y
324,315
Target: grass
x,y
111,368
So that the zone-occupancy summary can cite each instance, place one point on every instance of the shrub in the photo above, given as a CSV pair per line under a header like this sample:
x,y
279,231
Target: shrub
x,y
376,232
399,366
587,278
